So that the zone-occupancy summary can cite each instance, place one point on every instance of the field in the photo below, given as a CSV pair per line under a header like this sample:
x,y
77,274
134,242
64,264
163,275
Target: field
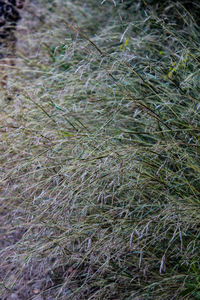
x,y
99,153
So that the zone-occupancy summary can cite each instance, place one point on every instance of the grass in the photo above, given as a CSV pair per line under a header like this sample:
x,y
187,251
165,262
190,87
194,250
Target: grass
x,y
100,154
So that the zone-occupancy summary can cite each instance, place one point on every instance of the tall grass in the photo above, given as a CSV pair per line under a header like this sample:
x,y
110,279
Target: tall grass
x,y
100,156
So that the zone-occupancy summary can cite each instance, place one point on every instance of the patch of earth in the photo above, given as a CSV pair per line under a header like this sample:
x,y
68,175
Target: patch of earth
x,y
32,282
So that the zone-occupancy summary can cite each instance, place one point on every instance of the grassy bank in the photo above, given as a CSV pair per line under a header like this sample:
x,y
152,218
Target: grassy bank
x,y
100,154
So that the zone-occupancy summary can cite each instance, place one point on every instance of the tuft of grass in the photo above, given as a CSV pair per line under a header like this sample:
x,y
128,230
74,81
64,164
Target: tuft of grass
x,y
100,154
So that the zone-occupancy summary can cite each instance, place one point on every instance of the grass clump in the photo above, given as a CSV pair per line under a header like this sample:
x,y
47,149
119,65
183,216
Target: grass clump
x,y
100,167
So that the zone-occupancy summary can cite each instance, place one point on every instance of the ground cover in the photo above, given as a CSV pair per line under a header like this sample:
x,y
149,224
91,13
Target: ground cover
x,y
100,153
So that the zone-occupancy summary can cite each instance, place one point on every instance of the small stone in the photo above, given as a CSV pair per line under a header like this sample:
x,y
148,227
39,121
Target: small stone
x,y
36,291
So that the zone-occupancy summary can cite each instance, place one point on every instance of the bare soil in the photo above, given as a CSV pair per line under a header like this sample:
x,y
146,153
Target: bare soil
x,y
32,283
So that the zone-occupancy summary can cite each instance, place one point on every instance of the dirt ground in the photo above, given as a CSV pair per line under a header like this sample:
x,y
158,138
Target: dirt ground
x,y
33,283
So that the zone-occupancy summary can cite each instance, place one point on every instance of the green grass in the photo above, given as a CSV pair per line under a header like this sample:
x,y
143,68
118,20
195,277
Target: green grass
x,y
100,162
